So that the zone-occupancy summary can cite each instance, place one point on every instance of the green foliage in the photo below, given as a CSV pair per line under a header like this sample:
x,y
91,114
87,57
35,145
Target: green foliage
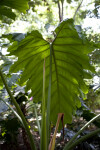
x,y
34,3
9,129
1,84
96,11
21,98
11,78
87,114
14,36
6,7
69,67
6,12
69,1
96,56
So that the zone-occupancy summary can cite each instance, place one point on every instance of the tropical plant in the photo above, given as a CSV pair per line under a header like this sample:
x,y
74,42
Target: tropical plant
x,y
64,81
55,73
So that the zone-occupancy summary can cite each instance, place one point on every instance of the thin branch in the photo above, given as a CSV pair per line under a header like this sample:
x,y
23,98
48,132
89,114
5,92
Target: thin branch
x,y
62,2
77,10
59,9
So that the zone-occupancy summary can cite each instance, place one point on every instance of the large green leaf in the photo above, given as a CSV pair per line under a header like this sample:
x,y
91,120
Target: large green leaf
x,y
70,65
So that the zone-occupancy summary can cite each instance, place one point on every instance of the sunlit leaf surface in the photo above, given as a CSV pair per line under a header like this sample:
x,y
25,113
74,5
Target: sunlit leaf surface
x,y
70,66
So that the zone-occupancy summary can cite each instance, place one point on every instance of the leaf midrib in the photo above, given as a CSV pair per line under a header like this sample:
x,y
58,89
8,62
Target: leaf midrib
x,y
56,65
56,75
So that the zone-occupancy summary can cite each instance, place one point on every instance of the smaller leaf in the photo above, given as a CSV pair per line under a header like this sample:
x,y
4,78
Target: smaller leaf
x,y
14,36
69,1
5,11
87,74
21,5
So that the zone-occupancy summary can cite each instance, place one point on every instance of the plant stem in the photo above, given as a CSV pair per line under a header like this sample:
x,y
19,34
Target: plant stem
x,y
59,9
16,114
80,131
83,139
53,140
43,122
19,112
77,10
62,3
49,99
38,124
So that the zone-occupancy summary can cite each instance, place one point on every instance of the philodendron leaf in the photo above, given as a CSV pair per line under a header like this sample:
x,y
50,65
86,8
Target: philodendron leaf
x,y
70,66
